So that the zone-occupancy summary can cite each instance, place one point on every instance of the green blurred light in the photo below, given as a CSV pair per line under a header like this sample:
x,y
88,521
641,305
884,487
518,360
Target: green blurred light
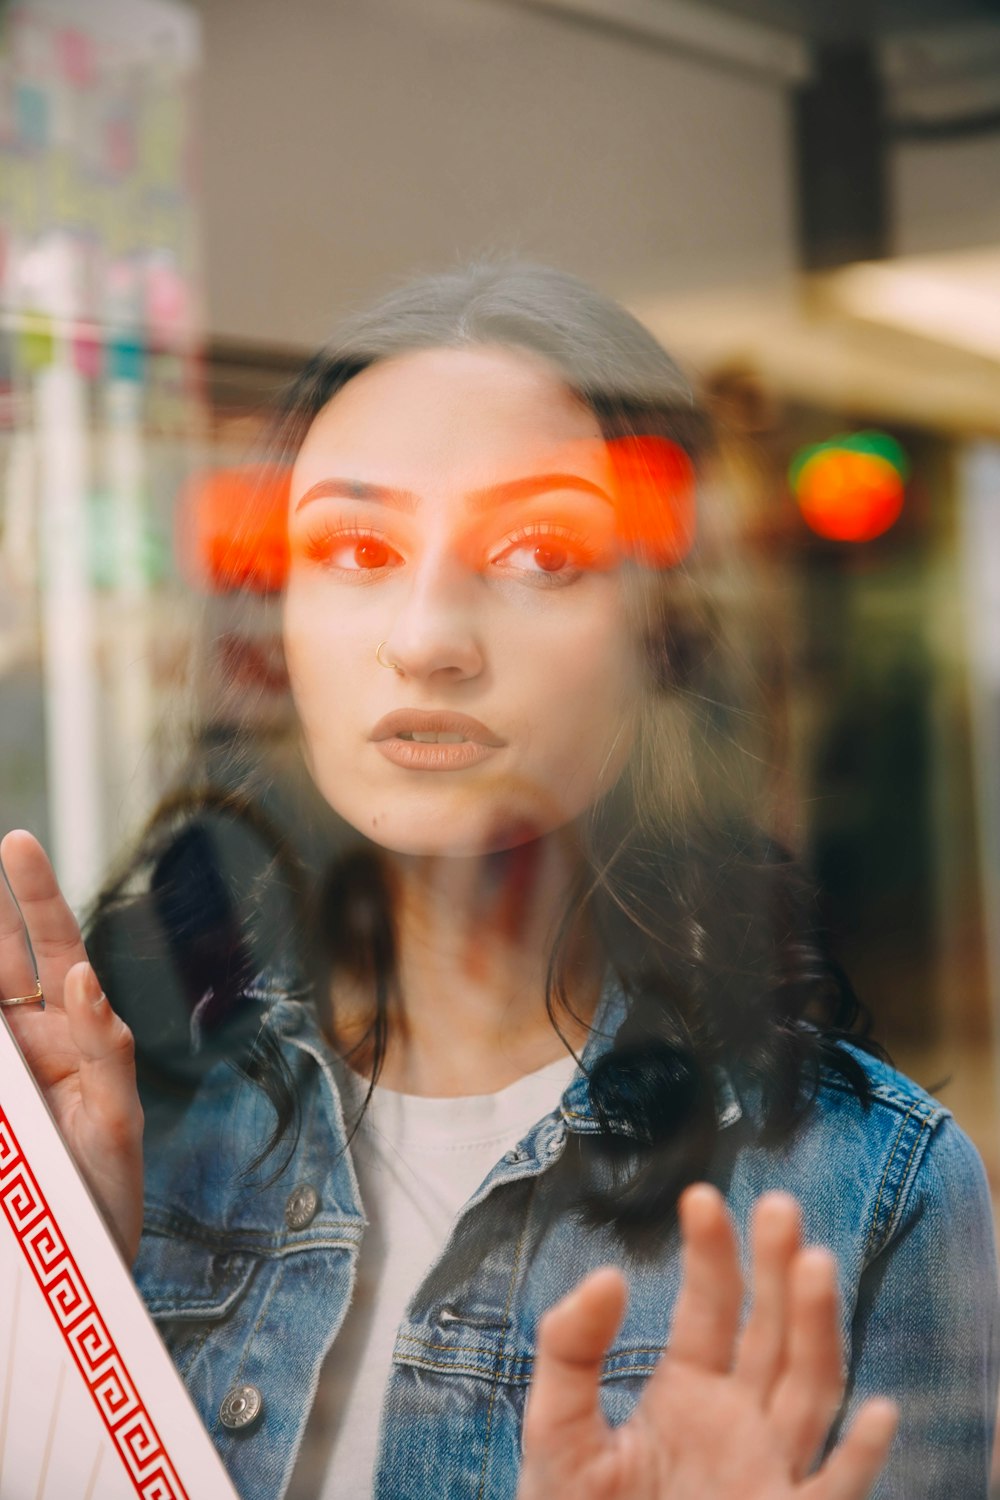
x,y
880,444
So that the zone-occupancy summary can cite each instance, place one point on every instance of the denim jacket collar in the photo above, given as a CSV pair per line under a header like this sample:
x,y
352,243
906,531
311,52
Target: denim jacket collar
x,y
286,1000
577,1109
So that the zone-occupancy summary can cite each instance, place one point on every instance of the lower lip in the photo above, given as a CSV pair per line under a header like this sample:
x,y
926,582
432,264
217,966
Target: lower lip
x,y
418,756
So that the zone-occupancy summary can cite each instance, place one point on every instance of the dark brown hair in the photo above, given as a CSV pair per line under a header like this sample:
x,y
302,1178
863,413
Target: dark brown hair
x,y
708,925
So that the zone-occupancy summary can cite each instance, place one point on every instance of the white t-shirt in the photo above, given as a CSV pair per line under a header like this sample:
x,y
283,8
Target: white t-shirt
x,y
418,1162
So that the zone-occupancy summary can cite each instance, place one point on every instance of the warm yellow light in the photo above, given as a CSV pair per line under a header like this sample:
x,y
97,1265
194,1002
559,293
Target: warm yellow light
x,y
954,300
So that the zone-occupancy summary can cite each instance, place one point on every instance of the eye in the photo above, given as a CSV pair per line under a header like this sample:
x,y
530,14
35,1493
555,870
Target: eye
x,y
350,549
547,553
369,552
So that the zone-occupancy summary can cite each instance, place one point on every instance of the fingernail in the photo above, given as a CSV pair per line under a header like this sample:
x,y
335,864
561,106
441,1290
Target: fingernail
x,y
92,988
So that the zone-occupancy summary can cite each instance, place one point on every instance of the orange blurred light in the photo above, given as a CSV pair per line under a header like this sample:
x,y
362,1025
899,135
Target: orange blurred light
x,y
232,530
849,496
232,526
654,484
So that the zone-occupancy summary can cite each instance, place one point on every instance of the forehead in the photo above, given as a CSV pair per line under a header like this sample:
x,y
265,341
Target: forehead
x,y
458,417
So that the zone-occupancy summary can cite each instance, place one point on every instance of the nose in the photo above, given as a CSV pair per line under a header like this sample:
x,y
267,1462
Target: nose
x,y
435,629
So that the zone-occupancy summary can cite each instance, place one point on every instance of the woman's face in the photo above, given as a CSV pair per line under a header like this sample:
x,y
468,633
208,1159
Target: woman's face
x,y
455,505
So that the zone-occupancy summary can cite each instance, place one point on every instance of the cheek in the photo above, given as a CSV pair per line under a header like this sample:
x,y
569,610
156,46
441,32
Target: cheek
x,y
582,691
596,648
321,657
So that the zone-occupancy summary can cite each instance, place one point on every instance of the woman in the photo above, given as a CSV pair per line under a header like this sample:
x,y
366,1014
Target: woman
x,y
521,971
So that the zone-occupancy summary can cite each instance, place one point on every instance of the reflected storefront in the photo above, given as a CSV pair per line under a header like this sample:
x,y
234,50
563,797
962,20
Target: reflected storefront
x,y
103,412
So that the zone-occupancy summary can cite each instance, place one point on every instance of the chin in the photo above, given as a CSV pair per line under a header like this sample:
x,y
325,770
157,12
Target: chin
x,y
460,833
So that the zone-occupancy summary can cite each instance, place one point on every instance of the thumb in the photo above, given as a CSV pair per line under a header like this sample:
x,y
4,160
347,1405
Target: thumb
x,y
573,1338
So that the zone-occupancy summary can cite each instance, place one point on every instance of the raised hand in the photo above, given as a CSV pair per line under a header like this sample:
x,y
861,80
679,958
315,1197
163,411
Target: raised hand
x,y
720,1418
80,1052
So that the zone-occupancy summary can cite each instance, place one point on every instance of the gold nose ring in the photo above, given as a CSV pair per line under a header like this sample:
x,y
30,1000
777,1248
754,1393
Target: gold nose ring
x,y
392,664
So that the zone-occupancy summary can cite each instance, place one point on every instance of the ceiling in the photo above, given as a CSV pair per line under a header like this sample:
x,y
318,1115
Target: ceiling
x,y
876,20
916,339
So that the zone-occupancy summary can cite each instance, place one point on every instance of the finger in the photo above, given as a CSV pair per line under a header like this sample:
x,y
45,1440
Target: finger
x,y
573,1338
17,968
775,1234
708,1306
52,927
806,1397
107,1058
853,1467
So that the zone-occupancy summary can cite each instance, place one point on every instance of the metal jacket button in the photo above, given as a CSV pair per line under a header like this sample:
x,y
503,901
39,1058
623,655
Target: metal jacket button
x,y
301,1207
240,1407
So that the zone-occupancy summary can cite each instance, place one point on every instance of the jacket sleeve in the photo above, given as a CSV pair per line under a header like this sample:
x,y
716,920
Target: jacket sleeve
x,y
925,1328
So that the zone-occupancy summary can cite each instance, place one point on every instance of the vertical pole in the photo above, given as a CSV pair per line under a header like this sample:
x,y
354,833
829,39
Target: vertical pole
x,y
68,636
842,159
980,520
129,681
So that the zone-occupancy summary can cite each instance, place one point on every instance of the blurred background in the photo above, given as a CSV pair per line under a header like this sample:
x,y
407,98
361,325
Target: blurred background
x,y
801,198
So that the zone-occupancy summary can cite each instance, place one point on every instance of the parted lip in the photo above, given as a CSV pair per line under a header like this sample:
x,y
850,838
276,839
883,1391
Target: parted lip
x,y
427,721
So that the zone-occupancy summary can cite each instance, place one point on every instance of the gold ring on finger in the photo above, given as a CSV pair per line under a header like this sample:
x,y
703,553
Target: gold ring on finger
x,y
36,999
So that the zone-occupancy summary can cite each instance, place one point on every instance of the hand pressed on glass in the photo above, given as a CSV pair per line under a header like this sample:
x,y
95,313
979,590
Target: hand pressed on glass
x,y
722,1418
80,1052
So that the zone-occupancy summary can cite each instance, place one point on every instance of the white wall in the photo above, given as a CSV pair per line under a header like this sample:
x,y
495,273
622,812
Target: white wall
x,y
348,143
946,195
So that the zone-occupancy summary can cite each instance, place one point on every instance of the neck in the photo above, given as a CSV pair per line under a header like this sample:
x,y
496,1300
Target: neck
x,y
474,937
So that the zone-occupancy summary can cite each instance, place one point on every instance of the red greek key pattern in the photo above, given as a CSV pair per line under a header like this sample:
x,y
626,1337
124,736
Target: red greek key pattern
x,y
83,1329
19,1199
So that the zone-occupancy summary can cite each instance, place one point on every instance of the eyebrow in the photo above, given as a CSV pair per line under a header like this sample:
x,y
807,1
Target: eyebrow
x,y
511,491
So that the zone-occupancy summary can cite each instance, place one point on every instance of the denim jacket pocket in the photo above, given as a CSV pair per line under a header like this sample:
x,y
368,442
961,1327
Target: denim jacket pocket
x,y
182,1277
192,1281
627,1368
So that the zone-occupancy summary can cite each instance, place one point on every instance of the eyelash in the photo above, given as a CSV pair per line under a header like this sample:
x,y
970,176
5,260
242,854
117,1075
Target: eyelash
x,y
320,544
583,552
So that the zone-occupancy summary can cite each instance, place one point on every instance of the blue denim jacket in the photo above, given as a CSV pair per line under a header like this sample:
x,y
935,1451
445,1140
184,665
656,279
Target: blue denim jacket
x,y
241,1298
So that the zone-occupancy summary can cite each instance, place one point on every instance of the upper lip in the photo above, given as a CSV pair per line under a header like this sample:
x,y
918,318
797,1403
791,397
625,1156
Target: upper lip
x,y
428,720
